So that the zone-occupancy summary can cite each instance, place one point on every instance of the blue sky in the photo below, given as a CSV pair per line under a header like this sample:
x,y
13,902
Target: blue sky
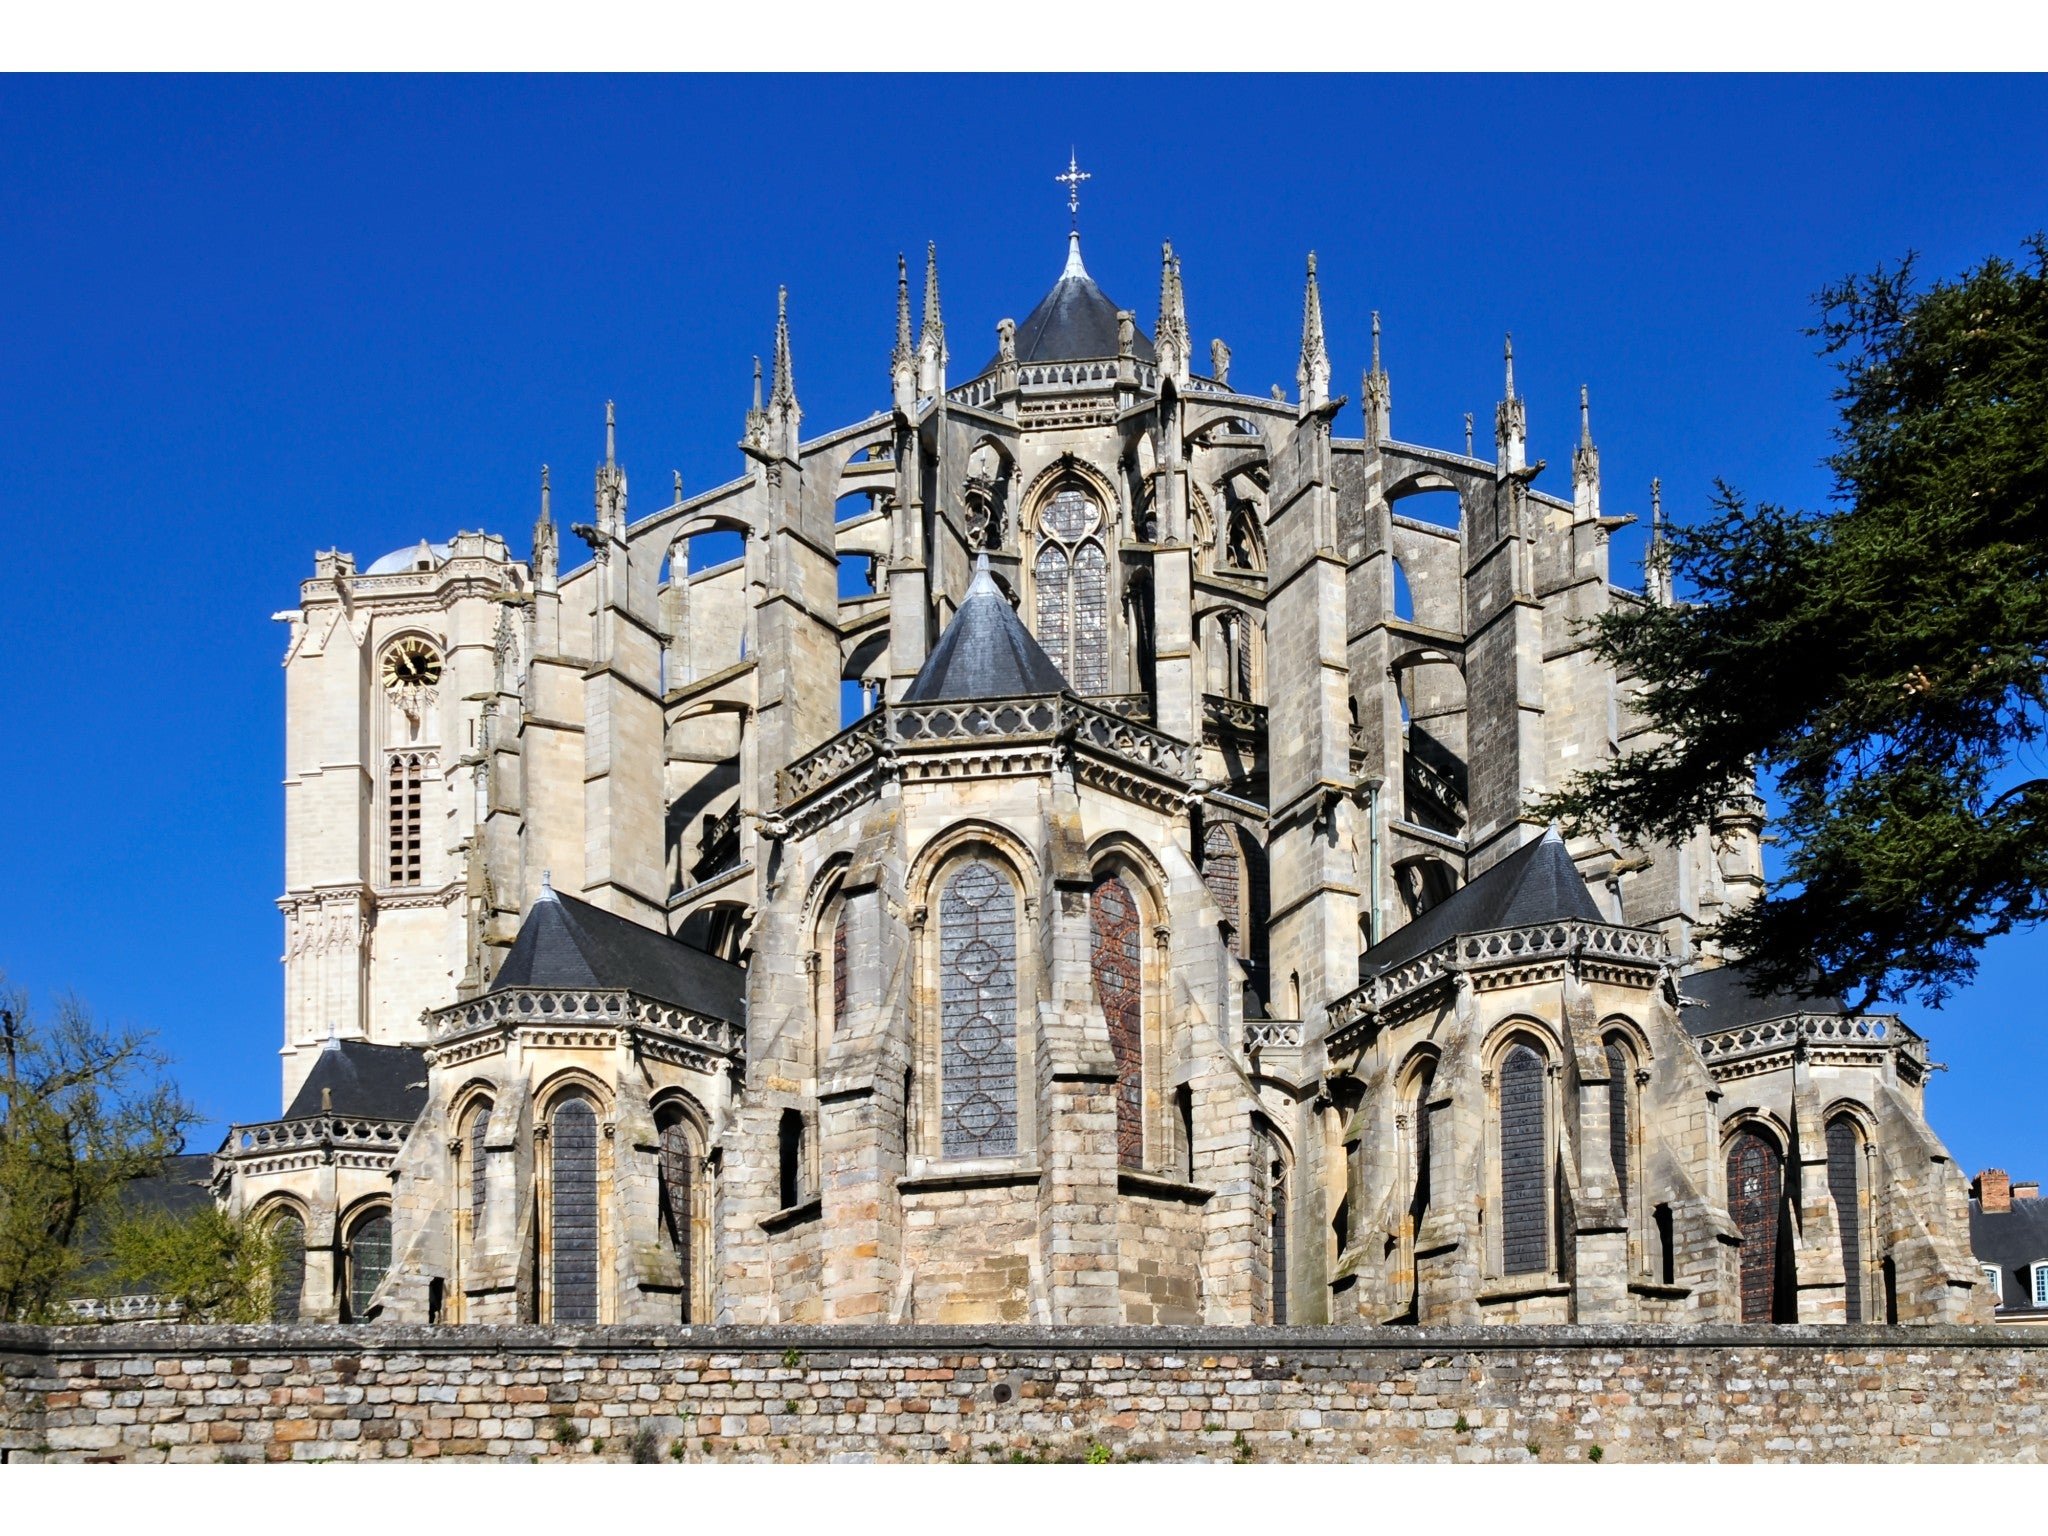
x,y
251,317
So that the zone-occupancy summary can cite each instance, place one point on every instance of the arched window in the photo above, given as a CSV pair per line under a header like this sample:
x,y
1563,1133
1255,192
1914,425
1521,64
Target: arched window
x,y
680,1201
1845,1183
405,824
288,1238
1621,1083
1273,1191
789,1158
1415,1111
1119,987
978,1014
1240,668
1756,1198
1071,574
479,1130
839,970
368,1259
1234,870
1524,1164
573,1222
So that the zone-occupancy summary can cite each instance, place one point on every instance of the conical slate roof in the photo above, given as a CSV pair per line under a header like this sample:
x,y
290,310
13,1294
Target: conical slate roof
x,y
1077,319
378,1082
985,653
569,943
1537,883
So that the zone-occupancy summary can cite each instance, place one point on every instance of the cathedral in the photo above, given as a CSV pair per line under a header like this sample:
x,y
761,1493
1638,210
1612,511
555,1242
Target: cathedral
x,y
1051,851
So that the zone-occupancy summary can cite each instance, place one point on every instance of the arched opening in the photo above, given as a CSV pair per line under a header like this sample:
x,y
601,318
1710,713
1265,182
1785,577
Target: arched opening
x,y
1118,962
472,1192
1234,872
1438,506
1070,579
1524,1162
1415,1118
1404,600
978,1013
1756,1199
789,1158
288,1287
684,1205
1667,1245
1424,882
367,1260
1845,1184
1621,1116
1273,1189
573,1211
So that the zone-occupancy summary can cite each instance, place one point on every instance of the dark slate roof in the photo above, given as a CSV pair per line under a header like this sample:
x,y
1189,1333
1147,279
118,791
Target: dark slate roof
x,y
1076,319
1720,999
565,942
376,1082
2014,1240
985,653
186,1184
1537,883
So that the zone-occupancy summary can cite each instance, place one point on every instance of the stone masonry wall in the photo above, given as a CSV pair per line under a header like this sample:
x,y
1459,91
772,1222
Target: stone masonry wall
x,y
311,1393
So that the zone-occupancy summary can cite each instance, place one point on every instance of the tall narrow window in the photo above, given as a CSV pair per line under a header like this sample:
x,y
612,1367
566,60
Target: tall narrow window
x,y
978,1014
1620,1082
1184,1110
839,970
1071,573
789,1158
1276,1235
288,1233
1524,1165
369,1260
479,1130
573,1201
1756,1192
1119,989
1418,1113
1223,874
405,819
1667,1245
1845,1158
678,1204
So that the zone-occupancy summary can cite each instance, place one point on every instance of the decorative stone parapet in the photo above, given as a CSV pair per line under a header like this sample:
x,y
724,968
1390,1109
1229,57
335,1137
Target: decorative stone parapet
x,y
314,1393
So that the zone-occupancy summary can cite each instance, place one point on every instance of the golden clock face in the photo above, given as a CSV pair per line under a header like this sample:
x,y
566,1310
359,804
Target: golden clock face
x,y
411,664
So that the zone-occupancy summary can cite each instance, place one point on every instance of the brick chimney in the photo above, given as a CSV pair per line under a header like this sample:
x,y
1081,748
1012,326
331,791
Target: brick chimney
x,y
1993,1191
2029,1189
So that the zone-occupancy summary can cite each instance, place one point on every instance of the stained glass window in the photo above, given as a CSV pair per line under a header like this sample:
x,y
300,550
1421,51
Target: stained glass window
x,y
1071,572
1524,1165
678,1174
1845,1156
289,1233
369,1260
1619,1083
1119,988
1756,1189
574,1224
978,1014
479,1128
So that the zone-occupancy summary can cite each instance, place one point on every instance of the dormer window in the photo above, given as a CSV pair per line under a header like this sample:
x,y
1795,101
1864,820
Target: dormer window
x,y
1992,1279
2040,1272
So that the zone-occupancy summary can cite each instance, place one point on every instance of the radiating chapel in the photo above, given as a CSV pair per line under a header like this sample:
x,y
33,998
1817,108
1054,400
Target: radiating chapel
x,y
1051,851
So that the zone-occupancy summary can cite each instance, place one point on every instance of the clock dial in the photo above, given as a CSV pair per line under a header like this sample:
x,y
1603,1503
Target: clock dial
x,y
411,664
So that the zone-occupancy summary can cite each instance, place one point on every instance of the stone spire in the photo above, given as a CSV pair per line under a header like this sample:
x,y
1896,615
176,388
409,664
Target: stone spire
x,y
1657,562
1585,467
1379,393
931,340
903,361
546,542
1171,341
611,480
1510,423
1313,375
757,419
782,394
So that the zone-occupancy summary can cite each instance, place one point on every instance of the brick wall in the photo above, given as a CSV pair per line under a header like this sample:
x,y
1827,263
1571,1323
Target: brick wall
x,y
153,1393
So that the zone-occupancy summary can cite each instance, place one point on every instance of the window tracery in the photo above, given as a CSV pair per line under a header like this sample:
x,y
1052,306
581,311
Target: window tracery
x,y
369,1260
573,1210
978,1014
1756,1196
1845,1183
288,1234
1071,574
1524,1164
679,1200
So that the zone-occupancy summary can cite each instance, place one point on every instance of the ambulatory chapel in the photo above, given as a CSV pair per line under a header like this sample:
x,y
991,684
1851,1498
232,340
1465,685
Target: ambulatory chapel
x,y
1051,851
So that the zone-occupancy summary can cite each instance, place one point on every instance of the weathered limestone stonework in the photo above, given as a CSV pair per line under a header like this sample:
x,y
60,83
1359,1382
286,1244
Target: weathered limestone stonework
x,y
1161,938
305,1393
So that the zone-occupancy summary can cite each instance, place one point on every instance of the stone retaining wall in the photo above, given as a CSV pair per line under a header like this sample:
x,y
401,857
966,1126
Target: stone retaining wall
x,y
149,1392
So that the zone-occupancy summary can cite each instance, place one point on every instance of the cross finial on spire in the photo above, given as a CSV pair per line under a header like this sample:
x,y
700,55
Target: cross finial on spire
x,y
1073,176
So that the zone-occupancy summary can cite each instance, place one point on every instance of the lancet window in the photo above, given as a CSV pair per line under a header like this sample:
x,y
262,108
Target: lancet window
x,y
572,1210
288,1233
1119,987
1620,1087
681,1201
479,1129
1524,1164
368,1260
1845,1183
1756,1197
978,1013
1071,577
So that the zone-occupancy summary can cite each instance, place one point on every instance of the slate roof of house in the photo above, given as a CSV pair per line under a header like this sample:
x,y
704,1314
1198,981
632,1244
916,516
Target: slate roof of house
x,y
375,1082
985,652
2015,1241
1537,883
1075,320
1720,999
565,942
186,1184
